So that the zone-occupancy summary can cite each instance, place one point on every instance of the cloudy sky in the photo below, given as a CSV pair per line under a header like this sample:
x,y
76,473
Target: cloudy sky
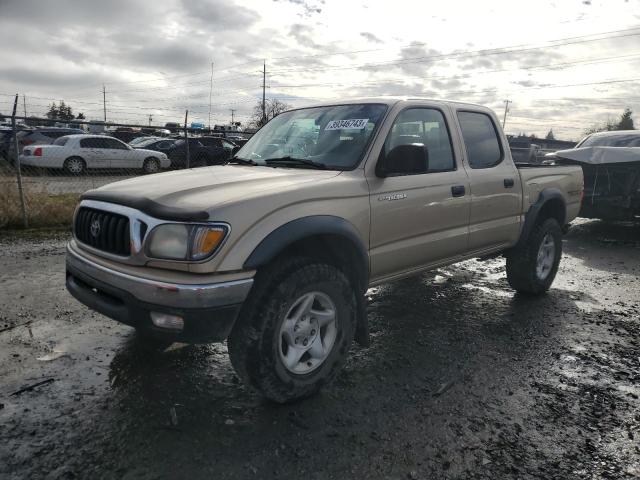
x,y
565,64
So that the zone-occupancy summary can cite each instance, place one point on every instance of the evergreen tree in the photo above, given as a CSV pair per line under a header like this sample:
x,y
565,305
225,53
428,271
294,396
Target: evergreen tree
x,y
53,112
550,135
626,122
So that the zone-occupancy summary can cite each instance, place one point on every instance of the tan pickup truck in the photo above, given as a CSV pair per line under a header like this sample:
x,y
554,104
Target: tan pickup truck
x,y
275,250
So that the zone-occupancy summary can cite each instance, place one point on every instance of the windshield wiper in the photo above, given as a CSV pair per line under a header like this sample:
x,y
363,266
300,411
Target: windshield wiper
x,y
242,161
291,161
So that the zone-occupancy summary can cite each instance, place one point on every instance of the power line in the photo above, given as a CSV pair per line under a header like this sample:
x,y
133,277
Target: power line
x,y
476,53
419,44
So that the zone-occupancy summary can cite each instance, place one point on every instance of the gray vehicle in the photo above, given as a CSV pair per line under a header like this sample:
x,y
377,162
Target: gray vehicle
x,y
41,136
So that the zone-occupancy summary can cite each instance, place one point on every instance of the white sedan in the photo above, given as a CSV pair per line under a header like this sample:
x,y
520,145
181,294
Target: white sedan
x,y
77,153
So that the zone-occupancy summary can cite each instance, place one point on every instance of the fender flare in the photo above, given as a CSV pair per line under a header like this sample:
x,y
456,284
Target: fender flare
x,y
295,230
285,235
532,215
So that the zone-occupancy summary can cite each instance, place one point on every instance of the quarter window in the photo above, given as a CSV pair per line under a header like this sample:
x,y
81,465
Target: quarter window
x,y
481,139
424,126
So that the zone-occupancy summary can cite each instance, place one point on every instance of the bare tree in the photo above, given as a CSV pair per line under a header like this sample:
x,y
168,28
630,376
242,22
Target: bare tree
x,y
273,108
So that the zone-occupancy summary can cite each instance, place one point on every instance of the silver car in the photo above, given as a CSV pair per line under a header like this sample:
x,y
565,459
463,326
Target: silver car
x,y
78,153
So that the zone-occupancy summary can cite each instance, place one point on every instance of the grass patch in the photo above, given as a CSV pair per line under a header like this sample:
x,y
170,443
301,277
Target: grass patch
x,y
43,209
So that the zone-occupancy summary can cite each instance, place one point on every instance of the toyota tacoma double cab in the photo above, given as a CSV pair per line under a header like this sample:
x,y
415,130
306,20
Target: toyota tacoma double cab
x,y
275,250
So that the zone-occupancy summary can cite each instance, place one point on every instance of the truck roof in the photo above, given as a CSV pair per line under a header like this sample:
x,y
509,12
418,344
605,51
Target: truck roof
x,y
392,100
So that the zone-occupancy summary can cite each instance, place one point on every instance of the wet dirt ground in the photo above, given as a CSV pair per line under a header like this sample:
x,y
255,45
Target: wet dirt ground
x,y
463,379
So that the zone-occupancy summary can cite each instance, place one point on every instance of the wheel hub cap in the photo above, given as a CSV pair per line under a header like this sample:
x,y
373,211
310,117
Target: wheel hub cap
x,y
546,257
308,333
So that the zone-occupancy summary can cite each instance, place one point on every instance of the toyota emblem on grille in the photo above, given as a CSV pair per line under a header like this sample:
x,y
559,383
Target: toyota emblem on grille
x,y
95,228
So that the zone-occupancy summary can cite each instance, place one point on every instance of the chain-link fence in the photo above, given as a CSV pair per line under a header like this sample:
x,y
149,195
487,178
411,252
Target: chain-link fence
x,y
55,165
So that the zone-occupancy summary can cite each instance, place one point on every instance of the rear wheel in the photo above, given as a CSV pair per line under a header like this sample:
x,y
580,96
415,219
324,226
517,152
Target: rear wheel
x,y
532,266
151,165
75,165
295,330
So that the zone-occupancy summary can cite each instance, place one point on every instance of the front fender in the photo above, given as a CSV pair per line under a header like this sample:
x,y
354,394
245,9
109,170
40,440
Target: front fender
x,y
289,233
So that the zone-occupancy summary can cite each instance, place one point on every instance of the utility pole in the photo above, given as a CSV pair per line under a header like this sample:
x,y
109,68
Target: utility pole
x,y
506,109
210,91
24,105
104,102
264,86
150,119
232,112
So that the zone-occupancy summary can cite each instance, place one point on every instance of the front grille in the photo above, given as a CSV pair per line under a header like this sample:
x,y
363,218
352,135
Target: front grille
x,y
103,230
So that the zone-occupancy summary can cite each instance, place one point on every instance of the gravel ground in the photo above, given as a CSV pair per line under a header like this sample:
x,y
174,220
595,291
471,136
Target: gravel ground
x,y
463,379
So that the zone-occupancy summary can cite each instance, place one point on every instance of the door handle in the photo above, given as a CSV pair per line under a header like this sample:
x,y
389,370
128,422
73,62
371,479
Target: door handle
x,y
458,191
509,183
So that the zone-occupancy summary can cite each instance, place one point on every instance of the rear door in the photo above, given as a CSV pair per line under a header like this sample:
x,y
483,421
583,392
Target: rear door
x,y
419,219
496,193
93,151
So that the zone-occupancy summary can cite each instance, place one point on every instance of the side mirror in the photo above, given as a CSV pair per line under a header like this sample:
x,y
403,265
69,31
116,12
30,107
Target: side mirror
x,y
409,159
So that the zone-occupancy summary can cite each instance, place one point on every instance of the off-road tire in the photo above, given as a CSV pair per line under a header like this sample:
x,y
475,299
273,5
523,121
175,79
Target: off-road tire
x,y
67,166
151,165
522,260
253,343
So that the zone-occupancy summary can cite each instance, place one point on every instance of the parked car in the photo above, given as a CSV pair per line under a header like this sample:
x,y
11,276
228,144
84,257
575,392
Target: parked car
x,y
199,154
523,151
127,135
277,251
172,126
157,144
41,136
6,135
78,153
219,142
611,165
142,139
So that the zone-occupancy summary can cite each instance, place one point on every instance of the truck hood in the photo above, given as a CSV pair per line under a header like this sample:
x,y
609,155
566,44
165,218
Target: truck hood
x,y
189,195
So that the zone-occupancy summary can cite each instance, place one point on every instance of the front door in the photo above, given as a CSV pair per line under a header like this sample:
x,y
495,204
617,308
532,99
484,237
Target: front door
x,y
419,219
121,155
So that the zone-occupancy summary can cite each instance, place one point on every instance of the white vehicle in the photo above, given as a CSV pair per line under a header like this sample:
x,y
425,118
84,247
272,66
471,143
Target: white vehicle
x,y
77,153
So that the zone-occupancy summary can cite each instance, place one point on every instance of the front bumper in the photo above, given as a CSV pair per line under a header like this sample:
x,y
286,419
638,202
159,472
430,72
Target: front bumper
x,y
209,310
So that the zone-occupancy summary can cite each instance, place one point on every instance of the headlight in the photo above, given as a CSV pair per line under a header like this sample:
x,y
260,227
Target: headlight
x,y
176,241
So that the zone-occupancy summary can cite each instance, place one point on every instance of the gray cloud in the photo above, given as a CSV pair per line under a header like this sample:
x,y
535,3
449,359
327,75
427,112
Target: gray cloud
x,y
370,37
219,16
309,7
302,35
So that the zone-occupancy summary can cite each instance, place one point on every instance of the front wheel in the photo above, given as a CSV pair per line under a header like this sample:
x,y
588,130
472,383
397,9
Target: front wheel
x,y
532,266
295,330
151,165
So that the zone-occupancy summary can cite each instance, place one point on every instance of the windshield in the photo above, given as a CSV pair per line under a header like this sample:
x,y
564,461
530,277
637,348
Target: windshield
x,y
333,136
625,140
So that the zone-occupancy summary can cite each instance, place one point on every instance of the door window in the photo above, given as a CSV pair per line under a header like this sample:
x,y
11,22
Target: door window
x,y
114,144
481,139
91,143
424,126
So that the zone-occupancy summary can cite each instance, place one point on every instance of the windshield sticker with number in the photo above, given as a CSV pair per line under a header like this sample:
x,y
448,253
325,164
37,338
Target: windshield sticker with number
x,y
353,123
